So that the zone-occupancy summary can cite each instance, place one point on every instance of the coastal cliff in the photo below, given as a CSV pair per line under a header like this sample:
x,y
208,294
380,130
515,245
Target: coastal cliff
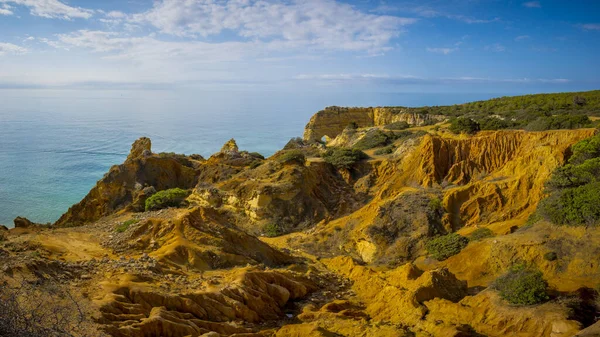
x,y
318,240
331,121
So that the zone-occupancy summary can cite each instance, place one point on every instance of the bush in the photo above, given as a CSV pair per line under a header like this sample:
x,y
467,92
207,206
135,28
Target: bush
x,y
575,175
373,138
493,123
167,198
398,126
586,149
464,125
442,247
292,156
481,233
44,309
343,157
272,230
550,256
577,206
522,286
565,121
125,225
386,150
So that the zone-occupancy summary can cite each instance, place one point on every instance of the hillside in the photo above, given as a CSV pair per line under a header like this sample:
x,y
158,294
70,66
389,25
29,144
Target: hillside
x,y
397,225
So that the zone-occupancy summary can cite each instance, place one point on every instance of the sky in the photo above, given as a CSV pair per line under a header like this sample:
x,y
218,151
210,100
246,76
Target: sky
x,y
325,45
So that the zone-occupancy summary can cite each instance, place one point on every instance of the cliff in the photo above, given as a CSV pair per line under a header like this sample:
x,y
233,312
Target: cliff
x,y
333,120
292,245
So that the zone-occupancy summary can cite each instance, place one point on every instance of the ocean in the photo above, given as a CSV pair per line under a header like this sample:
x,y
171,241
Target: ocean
x,y
55,144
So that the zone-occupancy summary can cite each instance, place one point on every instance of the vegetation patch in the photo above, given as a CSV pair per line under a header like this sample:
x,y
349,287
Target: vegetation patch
x,y
125,225
481,233
373,138
442,247
173,197
292,156
398,126
522,286
464,125
550,256
385,150
343,157
272,230
574,189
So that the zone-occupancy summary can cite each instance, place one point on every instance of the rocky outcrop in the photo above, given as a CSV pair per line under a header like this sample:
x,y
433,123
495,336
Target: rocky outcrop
x,y
122,184
333,120
132,310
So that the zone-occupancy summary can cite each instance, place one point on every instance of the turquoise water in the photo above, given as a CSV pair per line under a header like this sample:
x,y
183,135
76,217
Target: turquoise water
x,y
55,145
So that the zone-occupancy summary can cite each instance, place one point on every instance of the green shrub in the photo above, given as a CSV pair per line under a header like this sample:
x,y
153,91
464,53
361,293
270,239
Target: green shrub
x,y
494,123
575,175
564,121
272,230
398,126
481,233
343,157
255,164
373,138
522,286
167,198
464,125
550,256
125,225
386,150
576,206
442,247
292,156
586,149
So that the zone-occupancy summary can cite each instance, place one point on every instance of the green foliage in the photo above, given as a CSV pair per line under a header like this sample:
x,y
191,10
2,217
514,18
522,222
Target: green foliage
x,y
343,157
494,123
442,247
558,122
272,230
481,233
292,156
522,286
575,188
576,206
373,138
464,125
398,126
125,225
585,149
385,150
550,256
167,198
435,204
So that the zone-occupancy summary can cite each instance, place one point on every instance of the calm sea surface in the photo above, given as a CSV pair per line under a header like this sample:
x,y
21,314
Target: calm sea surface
x,y
55,145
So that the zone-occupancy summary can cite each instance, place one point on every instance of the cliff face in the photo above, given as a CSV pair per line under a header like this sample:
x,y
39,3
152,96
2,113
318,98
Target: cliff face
x,y
332,121
348,256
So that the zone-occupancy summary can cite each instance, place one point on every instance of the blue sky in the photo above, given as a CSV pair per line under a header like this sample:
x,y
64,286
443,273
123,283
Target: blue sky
x,y
325,45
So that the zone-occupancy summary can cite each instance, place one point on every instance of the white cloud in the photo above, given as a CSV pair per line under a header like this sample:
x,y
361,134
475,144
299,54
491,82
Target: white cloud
x,y
428,12
52,9
323,24
522,38
444,51
9,48
591,26
413,80
532,4
5,9
496,47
